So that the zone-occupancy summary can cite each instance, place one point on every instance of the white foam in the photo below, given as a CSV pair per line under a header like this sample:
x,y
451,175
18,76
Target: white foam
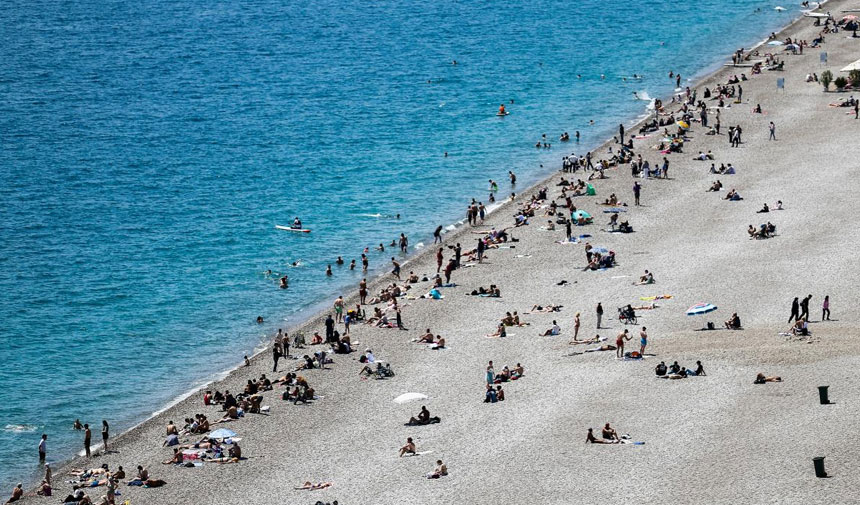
x,y
20,428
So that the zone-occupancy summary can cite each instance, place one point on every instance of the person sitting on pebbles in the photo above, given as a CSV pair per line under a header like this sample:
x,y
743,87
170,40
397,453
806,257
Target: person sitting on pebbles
x,y
647,278
555,329
734,322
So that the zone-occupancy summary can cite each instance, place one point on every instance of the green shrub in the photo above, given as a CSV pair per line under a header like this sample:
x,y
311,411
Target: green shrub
x,y
840,83
854,77
826,78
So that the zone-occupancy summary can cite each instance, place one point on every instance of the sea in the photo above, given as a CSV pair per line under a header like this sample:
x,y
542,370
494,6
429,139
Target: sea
x,y
148,149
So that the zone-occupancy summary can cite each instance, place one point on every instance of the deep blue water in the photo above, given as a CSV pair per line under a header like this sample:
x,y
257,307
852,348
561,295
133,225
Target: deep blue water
x,y
147,149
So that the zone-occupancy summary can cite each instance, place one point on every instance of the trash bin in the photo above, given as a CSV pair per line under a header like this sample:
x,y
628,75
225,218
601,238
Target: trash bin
x,y
819,467
822,395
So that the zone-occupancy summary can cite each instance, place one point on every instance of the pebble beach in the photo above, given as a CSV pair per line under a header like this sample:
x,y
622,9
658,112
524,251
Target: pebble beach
x,y
716,439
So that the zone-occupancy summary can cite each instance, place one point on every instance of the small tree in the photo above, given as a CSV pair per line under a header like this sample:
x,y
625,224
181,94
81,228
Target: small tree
x,y
854,77
840,83
826,78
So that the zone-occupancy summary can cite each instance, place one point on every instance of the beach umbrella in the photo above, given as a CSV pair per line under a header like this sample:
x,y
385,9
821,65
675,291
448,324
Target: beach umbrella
x,y
775,43
700,309
614,210
582,214
792,47
409,397
850,17
222,433
683,124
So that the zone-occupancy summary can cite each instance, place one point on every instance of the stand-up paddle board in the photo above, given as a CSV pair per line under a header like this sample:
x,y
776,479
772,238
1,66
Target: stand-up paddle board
x,y
502,115
287,228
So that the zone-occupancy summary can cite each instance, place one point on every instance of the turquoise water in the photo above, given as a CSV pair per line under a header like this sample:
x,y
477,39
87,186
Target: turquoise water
x,y
147,150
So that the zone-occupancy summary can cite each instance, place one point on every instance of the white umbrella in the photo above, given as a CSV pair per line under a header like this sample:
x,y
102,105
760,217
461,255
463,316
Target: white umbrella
x,y
775,43
409,397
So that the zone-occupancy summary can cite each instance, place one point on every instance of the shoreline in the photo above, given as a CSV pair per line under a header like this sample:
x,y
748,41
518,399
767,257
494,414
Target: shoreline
x,y
314,318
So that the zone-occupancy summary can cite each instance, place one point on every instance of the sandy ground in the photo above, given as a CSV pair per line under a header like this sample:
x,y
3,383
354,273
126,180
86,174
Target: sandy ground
x,y
713,439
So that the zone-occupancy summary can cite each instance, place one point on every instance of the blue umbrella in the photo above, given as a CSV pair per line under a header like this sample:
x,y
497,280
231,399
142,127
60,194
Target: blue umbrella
x,y
701,308
222,433
614,210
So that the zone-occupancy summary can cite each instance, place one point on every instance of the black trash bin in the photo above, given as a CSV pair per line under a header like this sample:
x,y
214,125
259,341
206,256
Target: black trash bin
x,y
822,395
819,467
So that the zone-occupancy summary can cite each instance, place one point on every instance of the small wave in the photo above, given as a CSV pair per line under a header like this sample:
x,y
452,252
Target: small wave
x,y
642,95
20,428
419,245
451,227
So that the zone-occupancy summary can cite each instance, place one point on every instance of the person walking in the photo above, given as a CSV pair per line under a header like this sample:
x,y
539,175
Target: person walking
x,y
88,436
448,269
43,448
795,310
105,435
637,189
599,314
804,308
825,309
400,321
772,128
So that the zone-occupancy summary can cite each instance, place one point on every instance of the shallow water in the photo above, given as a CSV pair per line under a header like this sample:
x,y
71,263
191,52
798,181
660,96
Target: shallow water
x,y
147,150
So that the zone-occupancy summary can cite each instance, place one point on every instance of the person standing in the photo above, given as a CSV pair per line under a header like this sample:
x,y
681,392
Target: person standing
x,y
448,269
621,132
338,309
439,259
43,448
804,308
740,93
457,253
795,310
404,242
396,268
576,326
856,109
599,314
481,250
567,229
362,291
437,235
364,262
513,177
643,341
637,189
619,343
276,355
105,434
772,128
825,309
88,436
329,329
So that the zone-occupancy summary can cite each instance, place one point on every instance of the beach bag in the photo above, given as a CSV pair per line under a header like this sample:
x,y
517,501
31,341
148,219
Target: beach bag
x,y
590,190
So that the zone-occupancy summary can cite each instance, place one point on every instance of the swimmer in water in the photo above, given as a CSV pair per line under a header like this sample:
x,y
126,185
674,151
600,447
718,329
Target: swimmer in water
x,y
328,270
352,265
296,263
380,247
284,282
577,135
339,260
397,216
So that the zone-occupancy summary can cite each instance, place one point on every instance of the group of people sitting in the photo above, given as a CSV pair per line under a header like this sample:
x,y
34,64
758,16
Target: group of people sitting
x,y
437,342
724,169
608,435
767,230
678,372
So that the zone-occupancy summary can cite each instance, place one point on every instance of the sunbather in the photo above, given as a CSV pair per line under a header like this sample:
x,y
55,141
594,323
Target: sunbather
x,y
761,379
